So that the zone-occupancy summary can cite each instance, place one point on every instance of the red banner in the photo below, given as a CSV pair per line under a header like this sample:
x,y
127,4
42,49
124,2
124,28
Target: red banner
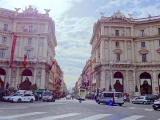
x,y
25,63
12,51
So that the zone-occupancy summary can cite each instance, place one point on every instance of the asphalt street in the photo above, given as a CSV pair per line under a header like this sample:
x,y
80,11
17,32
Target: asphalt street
x,y
73,110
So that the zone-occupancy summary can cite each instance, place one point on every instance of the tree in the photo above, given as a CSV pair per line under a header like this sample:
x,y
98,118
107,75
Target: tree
x,y
34,87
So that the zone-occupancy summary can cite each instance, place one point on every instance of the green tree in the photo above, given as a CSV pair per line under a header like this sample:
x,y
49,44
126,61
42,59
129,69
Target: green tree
x,y
33,87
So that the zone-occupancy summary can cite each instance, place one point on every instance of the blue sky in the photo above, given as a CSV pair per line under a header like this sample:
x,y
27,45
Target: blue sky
x,y
74,21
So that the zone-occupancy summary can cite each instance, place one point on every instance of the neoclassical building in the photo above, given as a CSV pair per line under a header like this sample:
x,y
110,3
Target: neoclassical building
x,y
126,54
35,38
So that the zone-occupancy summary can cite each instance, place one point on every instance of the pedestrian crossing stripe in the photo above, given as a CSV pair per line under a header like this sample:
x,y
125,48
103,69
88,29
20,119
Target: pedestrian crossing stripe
x,y
96,117
131,107
147,109
58,116
20,115
133,117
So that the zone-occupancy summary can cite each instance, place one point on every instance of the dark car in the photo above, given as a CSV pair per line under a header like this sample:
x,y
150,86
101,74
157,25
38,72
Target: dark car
x,y
151,97
156,104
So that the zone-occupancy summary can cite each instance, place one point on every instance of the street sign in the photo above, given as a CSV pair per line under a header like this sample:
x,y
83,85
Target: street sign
x,y
156,88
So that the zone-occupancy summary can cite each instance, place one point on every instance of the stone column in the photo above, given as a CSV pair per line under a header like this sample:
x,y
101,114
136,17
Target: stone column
x,y
97,55
126,85
102,79
111,80
97,81
110,49
43,78
34,76
131,31
46,28
150,30
154,82
125,49
133,51
102,30
45,48
21,47
102,51
152,52
17,77
14,26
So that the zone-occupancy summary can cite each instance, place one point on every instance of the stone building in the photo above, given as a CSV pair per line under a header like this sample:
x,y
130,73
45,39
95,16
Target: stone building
x,y
35,38
126,54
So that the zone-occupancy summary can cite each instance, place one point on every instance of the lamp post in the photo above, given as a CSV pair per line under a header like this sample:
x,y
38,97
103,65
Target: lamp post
x,y
110,87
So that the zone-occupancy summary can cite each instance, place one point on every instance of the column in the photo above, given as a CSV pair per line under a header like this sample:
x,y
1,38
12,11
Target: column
x,y
34,76
102,51
125,50
43,79
45,47
131,31
21,47
110,49
14,26
150,30
154,82
17,77
111,80
102,79
97,55
133,52
102,30
126,85
46,28
152,51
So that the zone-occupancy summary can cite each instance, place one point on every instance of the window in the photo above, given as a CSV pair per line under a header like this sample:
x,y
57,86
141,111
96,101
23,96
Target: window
x,y
142,33
4,39
144,59
143,44
30,28
117,44
108,94
117,32
28,54
2,53
118,57
29,40
159,42
158,31
5,27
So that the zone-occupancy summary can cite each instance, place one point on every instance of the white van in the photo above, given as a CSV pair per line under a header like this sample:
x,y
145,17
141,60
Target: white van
x,y
111,98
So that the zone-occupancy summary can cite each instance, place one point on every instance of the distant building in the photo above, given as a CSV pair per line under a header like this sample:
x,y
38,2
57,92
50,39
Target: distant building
x,y
126,54
35,38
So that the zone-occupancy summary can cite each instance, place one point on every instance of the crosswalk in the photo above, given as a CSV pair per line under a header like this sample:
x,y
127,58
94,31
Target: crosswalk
x,y
68,116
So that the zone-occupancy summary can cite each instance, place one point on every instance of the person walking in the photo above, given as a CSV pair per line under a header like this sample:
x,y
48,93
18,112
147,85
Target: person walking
x,y
80,98
40,97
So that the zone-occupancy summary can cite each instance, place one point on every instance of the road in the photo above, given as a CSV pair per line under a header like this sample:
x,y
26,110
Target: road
x,y
72,110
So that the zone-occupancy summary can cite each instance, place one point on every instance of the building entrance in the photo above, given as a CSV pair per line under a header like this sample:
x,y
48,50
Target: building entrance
x,y
118,82
2,78
145,83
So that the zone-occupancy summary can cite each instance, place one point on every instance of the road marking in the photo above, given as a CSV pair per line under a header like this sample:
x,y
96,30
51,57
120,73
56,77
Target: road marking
x,y
14,108
133,117
131,107
96,117
58,116
20,115
147,109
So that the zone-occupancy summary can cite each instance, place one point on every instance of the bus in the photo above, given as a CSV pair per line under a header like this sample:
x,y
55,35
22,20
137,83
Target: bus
x,y
82,92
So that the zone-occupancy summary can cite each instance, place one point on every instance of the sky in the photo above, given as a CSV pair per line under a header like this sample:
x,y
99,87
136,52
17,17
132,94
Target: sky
x,y
74,20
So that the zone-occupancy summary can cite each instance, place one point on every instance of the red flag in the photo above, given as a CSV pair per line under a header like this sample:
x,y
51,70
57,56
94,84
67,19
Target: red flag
x,y
12,50
25,63
53,62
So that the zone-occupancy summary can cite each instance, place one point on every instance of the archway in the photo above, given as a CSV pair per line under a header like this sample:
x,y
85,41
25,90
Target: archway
x,y
2,77
145,83
26,76
118,82
159,82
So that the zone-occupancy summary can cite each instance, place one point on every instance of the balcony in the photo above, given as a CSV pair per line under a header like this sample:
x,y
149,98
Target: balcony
x,y
119,62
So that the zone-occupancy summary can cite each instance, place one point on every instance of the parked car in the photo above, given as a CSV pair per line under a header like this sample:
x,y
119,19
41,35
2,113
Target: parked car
x,y
68,97
111,98
22,98
156,104
152,97
47,96
6,98
141,99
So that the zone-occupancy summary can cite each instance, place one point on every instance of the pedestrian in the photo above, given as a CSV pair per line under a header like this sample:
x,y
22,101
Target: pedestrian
x,y
40,97
80,98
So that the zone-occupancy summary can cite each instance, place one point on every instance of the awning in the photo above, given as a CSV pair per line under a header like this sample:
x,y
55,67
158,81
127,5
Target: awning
x,y
40,91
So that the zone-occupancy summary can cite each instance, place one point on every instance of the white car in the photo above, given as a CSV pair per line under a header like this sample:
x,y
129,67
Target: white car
x,y
141,100
23,98
6,98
